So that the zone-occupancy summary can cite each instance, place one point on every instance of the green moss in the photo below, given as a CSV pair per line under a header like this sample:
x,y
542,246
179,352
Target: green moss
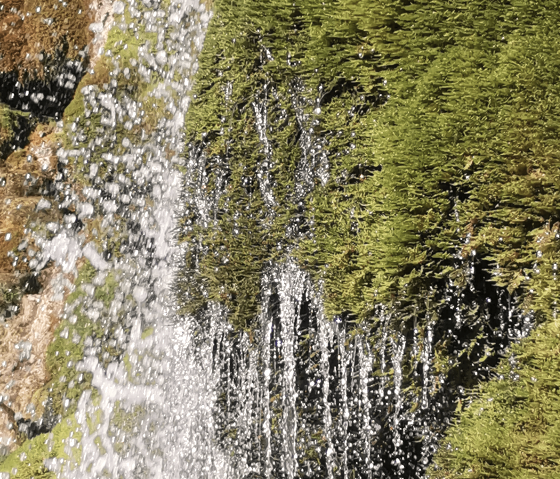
x,y
28,460
248,233
441,142
14,127
511,428
439,124
147,333
125,421
460,120
67,349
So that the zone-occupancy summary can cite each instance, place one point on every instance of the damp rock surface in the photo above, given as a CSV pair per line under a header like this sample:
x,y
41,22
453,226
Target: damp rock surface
x,y
42,59
24,340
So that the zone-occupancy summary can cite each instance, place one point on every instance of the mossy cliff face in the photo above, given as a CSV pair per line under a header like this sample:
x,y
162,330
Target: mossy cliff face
x,y
401,155
406,155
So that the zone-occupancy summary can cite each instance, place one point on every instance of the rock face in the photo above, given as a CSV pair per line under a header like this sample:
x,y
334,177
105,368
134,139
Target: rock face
x,y
103,19
43,52
23,371
25,176
45,49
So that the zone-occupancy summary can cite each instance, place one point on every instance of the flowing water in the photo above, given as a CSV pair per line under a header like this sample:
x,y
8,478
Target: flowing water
x,y
162,381
301,396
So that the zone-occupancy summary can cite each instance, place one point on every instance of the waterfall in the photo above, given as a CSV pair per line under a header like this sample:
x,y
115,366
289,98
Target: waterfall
x,y
299,393
194,347
149,411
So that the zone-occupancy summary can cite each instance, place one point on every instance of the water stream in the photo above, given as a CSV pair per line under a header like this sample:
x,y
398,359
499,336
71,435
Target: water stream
x,y
150,412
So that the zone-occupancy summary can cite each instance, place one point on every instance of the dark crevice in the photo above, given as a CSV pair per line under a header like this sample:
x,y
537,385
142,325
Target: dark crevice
x,y
46,97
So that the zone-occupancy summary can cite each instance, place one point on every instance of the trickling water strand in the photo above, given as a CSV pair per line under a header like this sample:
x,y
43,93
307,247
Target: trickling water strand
x,y
385,318
398,347
291,284
364,359
325,340
343,360
266,332
248,390
426,362
313,161
260,108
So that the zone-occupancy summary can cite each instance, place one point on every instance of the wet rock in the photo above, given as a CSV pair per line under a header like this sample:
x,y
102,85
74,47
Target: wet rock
x,y
43,53
25,176
24,340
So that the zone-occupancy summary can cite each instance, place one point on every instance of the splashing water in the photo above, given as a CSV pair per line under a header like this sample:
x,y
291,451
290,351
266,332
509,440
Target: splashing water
x,y
150,412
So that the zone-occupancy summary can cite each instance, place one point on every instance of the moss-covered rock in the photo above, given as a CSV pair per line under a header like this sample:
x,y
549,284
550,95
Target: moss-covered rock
x,y
14,128
97,321
38,457
510,426
404,153
43,52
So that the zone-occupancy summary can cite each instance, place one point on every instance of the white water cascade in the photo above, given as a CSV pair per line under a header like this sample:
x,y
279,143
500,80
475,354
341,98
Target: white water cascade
x,y
163,383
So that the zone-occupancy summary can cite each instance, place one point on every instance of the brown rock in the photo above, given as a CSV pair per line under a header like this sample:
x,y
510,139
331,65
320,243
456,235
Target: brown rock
x,y
23,178
35,32
37,38
23,372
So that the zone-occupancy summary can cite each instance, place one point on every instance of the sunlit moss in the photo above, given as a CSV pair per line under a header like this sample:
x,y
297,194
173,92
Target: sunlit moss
x,y
441,203
29,459
511,428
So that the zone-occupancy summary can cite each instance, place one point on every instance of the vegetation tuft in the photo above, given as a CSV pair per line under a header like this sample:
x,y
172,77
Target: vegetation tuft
x,y
33,457
511,428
